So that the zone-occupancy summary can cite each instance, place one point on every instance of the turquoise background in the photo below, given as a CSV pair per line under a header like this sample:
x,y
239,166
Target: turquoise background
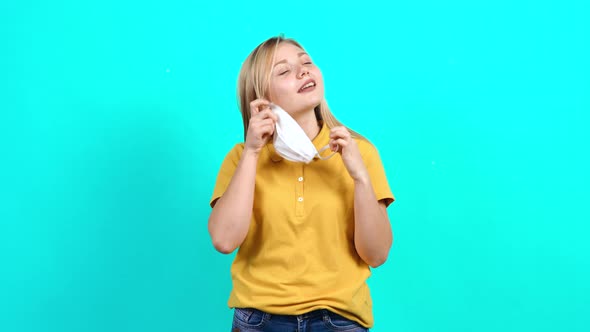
x,y
115,117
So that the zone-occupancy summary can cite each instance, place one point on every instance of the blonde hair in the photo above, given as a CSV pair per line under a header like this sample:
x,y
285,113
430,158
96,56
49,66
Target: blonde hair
x,y
254,83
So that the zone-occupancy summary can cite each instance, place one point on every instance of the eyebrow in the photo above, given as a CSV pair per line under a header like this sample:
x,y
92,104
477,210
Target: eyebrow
x,y
285,60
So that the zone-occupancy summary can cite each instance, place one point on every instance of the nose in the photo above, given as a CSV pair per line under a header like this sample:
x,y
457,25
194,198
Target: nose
x,y
302,71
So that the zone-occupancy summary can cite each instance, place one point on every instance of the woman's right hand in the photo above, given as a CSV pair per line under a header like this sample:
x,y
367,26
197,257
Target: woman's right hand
x,y
261,125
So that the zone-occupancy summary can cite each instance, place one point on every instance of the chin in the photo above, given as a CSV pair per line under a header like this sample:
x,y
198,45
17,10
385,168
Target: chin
x,y
315,101
305,105
299,109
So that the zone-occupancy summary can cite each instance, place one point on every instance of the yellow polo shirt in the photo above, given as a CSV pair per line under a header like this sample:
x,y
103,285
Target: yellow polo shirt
x,y
299,253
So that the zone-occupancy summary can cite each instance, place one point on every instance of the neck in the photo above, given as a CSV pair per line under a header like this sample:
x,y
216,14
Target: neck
x,y
308,122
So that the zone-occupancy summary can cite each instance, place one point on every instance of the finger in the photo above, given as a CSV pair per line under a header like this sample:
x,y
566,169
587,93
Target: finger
x,y
338,144
339,132
270,129
258,105
267,113
262,126
266,122
334,145
261,117
339,129
259,102
273,116
260,122
266,131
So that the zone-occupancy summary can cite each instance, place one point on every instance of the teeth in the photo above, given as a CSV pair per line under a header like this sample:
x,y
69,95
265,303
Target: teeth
x,y
308,85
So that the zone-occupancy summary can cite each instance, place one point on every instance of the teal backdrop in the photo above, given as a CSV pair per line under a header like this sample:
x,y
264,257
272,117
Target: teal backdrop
x,y
116,115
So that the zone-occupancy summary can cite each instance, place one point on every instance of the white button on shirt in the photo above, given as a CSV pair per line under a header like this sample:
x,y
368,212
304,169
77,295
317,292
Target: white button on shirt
x,y
300,199
300,178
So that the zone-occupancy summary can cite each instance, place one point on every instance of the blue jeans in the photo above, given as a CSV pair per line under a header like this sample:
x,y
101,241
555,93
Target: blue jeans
x,y
253,320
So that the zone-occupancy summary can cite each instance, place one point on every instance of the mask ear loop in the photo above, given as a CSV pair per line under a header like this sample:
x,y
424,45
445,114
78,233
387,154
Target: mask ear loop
x,y
324,149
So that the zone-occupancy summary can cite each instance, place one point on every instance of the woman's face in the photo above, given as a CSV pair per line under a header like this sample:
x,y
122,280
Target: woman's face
x,y
296,83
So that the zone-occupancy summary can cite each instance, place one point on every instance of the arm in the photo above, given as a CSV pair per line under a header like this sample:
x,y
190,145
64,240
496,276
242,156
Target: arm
x,y
230,218
373,236
372,231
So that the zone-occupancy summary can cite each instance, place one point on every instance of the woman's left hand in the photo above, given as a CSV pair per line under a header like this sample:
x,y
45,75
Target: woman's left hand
x,y
342,142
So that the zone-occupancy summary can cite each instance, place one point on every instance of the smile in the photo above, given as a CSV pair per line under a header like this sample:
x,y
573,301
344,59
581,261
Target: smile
x,y
308,86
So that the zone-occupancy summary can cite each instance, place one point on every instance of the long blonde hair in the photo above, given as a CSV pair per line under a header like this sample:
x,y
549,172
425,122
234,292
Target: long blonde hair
x,y
254,83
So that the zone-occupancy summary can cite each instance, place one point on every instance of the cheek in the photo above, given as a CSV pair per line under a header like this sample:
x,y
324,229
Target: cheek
x,y
281,88
274,91
318,77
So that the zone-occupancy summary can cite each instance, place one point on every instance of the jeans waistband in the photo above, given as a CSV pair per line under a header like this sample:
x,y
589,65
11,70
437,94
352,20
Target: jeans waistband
x,y
308,315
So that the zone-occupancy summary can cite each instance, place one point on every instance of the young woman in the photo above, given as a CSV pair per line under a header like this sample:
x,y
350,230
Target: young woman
x,y
307,233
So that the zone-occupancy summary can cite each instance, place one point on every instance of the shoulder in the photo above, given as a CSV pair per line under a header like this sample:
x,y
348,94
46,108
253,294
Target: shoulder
x,y
237,149
234,154
366,148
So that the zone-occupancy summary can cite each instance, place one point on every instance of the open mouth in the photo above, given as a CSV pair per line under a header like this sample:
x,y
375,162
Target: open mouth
x,y
308,86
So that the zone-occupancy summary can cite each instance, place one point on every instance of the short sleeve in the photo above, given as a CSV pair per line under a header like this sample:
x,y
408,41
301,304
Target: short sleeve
x,y
226,172
374,165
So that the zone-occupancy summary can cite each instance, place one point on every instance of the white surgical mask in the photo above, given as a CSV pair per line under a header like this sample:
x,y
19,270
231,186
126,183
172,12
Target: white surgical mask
x,y
291,142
